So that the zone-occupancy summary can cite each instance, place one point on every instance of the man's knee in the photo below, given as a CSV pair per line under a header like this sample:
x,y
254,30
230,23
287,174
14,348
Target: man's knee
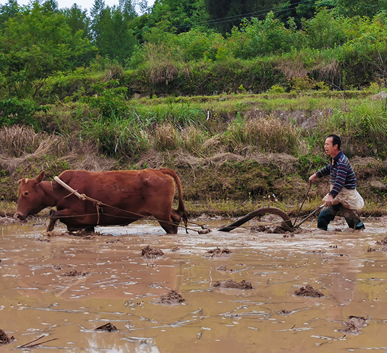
x,y
352,219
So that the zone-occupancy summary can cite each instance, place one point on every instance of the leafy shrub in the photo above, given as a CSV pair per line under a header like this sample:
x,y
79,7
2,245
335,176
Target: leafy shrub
x,y
110,101
324,31
19,111
259,38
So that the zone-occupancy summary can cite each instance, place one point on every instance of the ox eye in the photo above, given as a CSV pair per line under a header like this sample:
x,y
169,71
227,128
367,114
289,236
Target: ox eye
x,y
26,193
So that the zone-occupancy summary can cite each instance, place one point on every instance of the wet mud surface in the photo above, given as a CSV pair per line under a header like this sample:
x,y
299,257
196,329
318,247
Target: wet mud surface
x,y
63,288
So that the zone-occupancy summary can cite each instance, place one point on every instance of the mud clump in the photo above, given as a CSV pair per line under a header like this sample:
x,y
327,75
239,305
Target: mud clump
x,y
150,253
382,242
218,252
232,284
7,220
175,249
284,312
221,268
4,339
107,327
204,231
308,291
172,298
355,324
114,241
283,229
74,273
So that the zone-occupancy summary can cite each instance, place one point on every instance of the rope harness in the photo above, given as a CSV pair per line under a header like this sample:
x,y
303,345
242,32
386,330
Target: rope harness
x,y
98,205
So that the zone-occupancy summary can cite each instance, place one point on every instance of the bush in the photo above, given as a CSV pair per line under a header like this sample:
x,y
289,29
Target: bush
x,y
15,111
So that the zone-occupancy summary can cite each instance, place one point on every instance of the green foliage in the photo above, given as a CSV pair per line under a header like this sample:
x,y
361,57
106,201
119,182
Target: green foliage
x,y
110,100
196,45
113,37
35,44
276,89
16,111
364,128
324,31
117,137
258,38
352,8
181,15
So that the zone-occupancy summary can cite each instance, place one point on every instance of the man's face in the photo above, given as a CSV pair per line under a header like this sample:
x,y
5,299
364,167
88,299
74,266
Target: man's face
x,y
329,148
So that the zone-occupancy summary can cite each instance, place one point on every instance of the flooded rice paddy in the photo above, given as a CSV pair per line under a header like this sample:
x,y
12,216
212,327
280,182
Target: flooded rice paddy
x,y
63,287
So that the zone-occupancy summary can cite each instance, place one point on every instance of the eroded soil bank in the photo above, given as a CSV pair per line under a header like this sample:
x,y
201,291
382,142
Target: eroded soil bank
x,y
64,287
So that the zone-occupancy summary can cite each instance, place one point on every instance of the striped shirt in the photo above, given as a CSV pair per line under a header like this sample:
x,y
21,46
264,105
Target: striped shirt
x,y
341,174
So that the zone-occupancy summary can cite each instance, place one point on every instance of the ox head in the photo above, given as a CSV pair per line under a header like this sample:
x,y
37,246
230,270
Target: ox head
x,y
31,197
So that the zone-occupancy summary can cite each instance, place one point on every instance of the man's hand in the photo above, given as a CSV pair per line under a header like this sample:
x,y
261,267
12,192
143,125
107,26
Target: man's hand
x,y
312,178
329,200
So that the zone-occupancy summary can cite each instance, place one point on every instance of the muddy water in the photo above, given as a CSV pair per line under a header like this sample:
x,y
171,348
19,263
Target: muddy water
x,y
117,285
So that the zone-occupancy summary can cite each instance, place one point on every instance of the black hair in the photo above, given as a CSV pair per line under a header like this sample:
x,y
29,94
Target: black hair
x,y
335,140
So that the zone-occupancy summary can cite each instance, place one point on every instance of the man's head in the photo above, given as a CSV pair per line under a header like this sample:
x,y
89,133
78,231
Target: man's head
x,y
332,145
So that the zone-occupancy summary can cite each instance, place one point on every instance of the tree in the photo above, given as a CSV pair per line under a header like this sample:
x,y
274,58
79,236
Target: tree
x,y
181,15
77,20
112,35
36,44
8,11
225,14
351,8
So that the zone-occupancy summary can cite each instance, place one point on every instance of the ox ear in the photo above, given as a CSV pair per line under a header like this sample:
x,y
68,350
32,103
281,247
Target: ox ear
x,y
19,181
40,177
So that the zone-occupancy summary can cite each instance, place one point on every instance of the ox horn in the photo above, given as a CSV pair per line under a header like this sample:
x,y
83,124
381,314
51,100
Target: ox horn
x,y
19,181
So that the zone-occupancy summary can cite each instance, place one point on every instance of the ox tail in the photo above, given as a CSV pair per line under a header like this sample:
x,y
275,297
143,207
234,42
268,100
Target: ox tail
x,y
181,209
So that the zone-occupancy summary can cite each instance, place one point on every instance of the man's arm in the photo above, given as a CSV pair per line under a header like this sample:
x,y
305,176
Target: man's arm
x,y
341,175
320,173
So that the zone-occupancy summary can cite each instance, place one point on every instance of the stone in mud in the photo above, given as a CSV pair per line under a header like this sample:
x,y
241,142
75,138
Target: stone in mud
x,y
107,327
308,291
74,273
218,252
4,339
355,324
172,298
232,284
150,253
175,249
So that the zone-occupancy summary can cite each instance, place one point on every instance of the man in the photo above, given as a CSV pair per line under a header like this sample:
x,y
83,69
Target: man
x,y
343,196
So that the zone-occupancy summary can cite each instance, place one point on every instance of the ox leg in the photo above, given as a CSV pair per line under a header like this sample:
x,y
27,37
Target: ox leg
x,y
57,215
169,227
169,224
176,217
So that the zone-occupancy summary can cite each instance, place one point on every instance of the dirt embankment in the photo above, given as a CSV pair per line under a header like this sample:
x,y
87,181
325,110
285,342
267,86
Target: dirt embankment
x,y
247,176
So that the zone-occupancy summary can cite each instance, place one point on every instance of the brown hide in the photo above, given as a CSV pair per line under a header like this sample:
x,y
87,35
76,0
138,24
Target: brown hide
x,y
131,195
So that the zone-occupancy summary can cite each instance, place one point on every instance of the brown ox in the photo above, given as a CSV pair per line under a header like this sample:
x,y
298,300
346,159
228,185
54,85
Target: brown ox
x,y
131,195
